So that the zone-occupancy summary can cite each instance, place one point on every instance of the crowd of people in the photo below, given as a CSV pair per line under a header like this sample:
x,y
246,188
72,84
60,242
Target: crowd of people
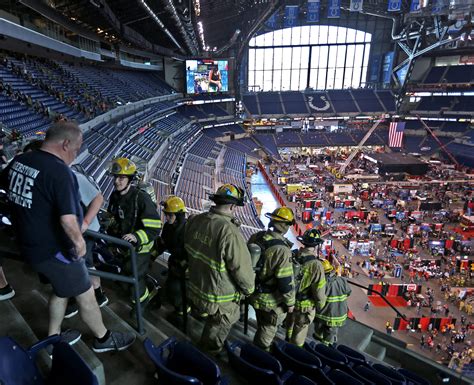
x,y
409,244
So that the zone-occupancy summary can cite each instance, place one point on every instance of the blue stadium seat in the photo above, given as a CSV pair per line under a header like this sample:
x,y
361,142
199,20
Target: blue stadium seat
x,y
327,354
372,375
301,361
255,365
180,363
68,367
413,378
334,359
352,355
339,377
395,377
18,365
301,380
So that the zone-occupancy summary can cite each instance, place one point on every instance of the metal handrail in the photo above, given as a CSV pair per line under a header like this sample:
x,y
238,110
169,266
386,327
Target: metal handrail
x,y
118,277
382,296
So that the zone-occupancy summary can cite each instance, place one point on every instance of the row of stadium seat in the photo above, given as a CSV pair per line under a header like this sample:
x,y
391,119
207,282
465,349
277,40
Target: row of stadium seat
x,y
181,363
328,102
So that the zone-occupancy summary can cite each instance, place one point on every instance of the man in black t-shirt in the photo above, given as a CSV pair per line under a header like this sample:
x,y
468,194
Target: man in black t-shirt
x,y
46,214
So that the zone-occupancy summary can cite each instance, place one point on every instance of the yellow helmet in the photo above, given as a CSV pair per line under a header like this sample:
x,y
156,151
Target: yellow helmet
x,y
123,166
282,214
229,194
311,238
327,266
174,205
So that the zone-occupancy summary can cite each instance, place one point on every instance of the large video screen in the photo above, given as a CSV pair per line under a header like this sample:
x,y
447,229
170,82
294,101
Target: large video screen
x,y
207,76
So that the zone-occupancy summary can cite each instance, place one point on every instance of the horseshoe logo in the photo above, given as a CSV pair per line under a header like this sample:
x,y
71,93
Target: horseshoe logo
x,y
323,108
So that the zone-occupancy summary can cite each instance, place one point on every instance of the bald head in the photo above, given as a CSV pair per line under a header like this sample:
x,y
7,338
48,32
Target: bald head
x,y
63,139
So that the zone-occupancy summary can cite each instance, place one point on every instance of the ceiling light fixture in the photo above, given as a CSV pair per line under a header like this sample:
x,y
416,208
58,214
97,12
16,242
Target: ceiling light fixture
x,y
201,35
160,23
197,7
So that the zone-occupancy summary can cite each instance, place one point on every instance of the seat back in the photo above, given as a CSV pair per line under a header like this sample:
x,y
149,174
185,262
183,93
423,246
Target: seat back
x,y
69,367
16,365
395,377
330,353
260,358
160,355
340,363
372,375
248,362
300,361
339,377
413,377
187,360
352,355
300,380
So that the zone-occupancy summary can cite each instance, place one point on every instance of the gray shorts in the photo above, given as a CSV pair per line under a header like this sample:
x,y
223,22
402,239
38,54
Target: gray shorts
x,y
68,278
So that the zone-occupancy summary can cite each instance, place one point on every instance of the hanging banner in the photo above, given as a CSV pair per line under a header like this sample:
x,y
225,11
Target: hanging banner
x,y
272,21
387,67
374,69
334,9
415,6
291,15
356,5
439,7
312,16
394,5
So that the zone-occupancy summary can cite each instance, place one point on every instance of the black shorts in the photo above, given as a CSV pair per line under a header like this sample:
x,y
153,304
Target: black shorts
x,y
89,256
68,278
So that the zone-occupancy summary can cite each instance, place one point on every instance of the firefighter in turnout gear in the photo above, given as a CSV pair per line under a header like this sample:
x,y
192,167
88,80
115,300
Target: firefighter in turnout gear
x,y
310,288
134,219
274,295
220,267
172,240
333,315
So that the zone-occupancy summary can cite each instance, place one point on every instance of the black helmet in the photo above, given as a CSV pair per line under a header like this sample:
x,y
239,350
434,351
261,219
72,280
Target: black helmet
x,y
311,238
229,194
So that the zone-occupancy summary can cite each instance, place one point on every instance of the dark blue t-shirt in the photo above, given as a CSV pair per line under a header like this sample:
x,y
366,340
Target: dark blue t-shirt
x,y
41,188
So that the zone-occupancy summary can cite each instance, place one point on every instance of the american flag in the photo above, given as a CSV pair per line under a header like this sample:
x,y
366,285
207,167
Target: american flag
x,y
395,134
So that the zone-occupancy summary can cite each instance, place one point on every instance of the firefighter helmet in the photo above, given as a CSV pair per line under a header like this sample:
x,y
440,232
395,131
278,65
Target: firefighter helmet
x,y
123,166
282,214
327,266
311,238
229,194
173,205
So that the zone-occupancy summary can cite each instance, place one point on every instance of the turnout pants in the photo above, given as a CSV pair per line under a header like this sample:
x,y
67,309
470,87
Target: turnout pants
x,y
143,264
297,326
324,333
217,327
267,326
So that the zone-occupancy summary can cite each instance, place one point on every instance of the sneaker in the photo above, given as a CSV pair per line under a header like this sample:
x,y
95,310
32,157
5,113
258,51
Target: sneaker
x,y
71,309
117,341
70,336
6,292
101,298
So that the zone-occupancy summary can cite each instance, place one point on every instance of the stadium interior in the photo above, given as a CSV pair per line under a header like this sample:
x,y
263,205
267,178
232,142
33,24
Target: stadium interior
x,y
357,114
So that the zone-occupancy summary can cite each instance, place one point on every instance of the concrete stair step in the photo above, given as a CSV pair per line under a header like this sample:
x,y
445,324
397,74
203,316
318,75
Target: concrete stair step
x,y
355,335
376,350
134,357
